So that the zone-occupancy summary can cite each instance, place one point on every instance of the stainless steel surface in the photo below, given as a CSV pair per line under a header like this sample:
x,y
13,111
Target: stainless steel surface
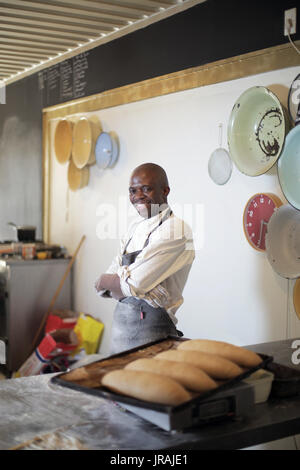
x,y
26,290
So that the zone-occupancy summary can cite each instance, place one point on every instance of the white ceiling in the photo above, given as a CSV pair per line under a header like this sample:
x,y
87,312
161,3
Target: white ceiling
x,y
35,34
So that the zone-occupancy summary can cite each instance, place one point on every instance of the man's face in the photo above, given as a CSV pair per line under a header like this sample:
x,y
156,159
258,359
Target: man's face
x,y
146,193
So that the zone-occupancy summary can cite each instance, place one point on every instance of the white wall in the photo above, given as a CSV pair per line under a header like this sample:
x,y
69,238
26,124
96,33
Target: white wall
x,y
232,292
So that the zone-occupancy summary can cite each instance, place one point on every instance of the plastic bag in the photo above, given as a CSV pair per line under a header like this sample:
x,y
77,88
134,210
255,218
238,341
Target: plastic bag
x,y
88,331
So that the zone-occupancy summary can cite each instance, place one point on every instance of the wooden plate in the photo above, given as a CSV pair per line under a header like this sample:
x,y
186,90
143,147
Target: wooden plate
x,y
296,297
77,178
85,134
63,140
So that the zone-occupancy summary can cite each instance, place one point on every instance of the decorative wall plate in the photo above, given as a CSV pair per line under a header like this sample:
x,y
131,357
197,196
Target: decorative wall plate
x,y
256,131
288,167
85,133
294,98
283,242
63,140
106,150
296,297
77,178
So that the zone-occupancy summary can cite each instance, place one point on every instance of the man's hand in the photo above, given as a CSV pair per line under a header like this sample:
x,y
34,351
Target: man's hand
x,y
98,284
110,282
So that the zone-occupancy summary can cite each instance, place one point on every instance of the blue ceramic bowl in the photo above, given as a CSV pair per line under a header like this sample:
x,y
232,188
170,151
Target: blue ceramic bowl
x,y
288,167
106,150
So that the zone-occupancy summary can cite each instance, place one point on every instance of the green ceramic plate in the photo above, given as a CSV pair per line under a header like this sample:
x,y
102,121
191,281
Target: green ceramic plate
x,y
256,131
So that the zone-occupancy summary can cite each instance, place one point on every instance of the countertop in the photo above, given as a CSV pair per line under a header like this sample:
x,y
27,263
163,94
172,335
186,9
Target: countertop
x,y
35,413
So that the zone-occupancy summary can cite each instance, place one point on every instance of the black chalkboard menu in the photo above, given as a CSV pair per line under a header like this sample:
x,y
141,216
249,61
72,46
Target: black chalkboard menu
x,y
65,81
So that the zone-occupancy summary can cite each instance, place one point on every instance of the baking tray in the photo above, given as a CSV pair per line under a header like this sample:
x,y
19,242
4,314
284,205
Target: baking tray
x,y
236,401
99,368
286,382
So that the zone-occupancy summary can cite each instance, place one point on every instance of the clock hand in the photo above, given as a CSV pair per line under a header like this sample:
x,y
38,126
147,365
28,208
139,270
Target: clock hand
x,y
262,223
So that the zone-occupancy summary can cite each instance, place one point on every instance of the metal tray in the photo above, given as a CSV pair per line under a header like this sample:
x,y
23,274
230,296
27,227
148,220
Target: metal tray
x,y
145,351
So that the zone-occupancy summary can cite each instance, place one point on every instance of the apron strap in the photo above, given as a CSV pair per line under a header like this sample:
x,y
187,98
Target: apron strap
x,y
166,216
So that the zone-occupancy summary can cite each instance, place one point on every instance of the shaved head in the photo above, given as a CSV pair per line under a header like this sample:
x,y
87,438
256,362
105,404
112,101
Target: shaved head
x,y
154,170
149,189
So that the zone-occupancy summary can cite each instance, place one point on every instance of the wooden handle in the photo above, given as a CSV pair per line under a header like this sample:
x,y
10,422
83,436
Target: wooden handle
x,y
71,262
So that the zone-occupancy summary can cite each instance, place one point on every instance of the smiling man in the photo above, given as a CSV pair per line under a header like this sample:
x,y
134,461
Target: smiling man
x,y
149,273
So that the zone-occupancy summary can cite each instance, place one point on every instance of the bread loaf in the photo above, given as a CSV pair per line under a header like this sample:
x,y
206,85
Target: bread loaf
x,y
187,375
77,374
215,366
241,356
146,386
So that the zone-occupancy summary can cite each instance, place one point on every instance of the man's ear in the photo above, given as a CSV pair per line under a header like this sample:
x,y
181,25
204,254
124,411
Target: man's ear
x,y
166,191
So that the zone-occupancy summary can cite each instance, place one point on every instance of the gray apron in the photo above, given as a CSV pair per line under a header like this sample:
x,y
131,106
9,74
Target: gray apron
x,y
135,322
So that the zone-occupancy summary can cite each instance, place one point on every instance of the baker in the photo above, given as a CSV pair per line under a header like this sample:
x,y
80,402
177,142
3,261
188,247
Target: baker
x,y
149,273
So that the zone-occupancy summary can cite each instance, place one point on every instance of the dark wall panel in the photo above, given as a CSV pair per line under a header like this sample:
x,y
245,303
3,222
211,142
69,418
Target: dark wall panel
x,y
20,158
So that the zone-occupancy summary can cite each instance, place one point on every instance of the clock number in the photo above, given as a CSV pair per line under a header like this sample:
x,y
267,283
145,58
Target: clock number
x,y
261,200
250,213
255,204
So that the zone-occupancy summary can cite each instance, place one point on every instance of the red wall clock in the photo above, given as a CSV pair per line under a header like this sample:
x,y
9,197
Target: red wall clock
x,y
257,214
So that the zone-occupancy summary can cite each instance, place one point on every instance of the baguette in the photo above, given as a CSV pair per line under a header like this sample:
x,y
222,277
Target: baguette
x,y
187,375
146,386
77,374
241,356
215,366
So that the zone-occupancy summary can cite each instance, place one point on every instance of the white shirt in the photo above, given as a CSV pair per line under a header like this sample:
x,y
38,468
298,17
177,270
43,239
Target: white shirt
x,y
160,271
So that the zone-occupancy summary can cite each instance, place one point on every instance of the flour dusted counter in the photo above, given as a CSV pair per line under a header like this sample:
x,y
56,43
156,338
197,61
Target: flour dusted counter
x,y
35,413
26,290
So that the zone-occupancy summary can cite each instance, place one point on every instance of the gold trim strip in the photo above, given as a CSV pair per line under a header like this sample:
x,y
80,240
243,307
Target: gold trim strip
x,y
46,177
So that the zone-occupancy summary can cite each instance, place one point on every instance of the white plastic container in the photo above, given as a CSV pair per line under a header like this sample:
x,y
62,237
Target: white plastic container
x,y
262,384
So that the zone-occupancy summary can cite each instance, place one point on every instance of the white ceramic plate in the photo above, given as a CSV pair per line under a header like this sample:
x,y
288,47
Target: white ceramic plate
x,y
220,166
256,131
283,242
